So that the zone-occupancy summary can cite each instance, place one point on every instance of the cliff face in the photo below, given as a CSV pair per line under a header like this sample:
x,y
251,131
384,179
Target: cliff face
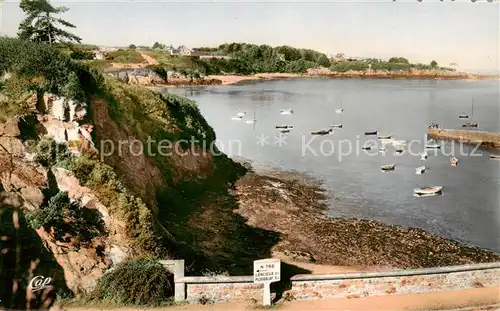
x,y
97,153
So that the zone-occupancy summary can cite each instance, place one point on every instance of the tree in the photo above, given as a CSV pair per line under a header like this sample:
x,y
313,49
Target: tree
x,y
399,60
324,61
132,47
158,45
41,24
434,64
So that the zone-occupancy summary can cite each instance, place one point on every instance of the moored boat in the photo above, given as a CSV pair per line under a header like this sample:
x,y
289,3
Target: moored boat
x,y
469,124
432,146
423,155
420,170
284,130
463,116
322,132
241,114
384,136
495,156
284,126
428,190
453,161
337,125
371,133
236,118
399,142
384,141
389,167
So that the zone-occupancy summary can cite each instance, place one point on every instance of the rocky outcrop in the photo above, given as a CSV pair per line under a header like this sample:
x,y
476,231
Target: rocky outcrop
x,y
29,181
84,265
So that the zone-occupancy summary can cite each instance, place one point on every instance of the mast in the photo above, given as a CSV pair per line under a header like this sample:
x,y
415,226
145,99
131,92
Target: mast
x,y
472,112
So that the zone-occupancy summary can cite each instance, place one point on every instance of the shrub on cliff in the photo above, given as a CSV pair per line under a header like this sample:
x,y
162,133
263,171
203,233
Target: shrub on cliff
x,y
43,68
64,216
135,282
82,55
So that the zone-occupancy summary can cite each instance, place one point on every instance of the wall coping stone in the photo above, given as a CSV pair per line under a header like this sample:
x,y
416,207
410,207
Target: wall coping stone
x,y
215,279
396,273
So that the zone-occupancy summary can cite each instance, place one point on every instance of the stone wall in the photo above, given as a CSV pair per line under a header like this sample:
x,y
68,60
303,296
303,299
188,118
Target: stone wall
x,y
355,285
221,289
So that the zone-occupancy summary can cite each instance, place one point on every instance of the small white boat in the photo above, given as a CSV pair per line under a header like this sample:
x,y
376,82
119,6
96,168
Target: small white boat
x,y
382,149
399,142
337,126
241,114
432,146
420,170
389,167
428,190
287,111
494,156
236,118
423,156
251,121
399,148
453,161
431,141
386,141
341,109
384,136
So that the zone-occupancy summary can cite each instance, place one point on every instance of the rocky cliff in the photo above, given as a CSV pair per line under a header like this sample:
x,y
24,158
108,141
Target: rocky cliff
x,y
88,170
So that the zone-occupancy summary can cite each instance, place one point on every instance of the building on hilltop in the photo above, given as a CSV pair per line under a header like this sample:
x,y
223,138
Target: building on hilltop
x,y
181,50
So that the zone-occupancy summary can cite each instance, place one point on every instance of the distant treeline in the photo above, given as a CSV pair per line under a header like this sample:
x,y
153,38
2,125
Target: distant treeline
x,y
393,64
251,58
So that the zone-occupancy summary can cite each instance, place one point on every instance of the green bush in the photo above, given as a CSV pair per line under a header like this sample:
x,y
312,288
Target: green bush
x,y
80,55
136,282
64,216
43,68
345,66
48,152
53,214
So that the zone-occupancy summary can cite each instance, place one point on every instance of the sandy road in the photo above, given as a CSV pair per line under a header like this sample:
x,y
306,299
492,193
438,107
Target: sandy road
x,y
487,298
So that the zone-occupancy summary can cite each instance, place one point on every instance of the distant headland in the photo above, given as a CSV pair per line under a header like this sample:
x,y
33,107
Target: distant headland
x,y
232,63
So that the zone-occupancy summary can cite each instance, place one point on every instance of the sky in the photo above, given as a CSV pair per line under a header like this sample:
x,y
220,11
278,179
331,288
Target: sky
x,y
458,31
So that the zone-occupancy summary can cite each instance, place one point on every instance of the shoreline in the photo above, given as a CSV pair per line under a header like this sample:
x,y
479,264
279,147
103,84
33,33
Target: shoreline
x,y
293,205
241,79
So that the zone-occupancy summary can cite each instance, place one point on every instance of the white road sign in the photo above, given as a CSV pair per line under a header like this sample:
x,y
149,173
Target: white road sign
x,y
266,271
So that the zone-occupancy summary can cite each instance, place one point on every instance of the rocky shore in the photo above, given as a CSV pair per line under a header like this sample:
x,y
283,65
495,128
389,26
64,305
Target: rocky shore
x,y
325,73
292,205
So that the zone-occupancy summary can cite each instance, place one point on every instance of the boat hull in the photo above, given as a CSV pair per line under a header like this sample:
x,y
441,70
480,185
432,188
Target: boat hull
x,y
371,133
428,190
433,146
388,167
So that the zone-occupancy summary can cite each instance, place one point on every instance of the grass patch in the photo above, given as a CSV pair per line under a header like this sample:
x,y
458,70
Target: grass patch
x,y
173,62
126,56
